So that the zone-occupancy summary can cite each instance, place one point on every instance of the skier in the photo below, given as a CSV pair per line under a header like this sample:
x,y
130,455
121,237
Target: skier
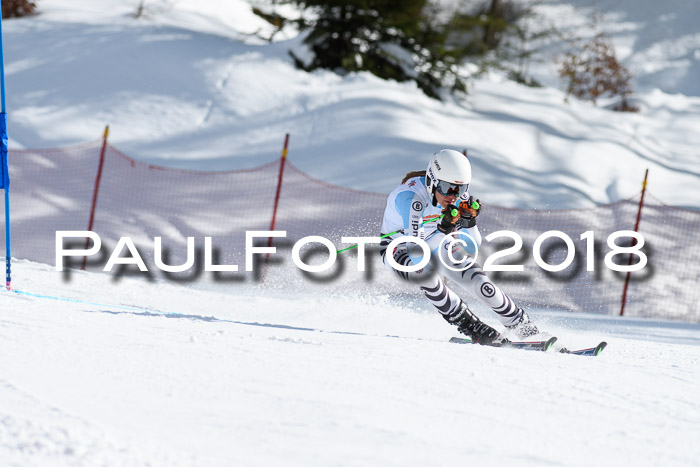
x,y
440,196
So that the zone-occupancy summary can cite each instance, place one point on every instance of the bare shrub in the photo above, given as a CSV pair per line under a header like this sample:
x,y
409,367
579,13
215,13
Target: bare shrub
x,y
17,8
592,70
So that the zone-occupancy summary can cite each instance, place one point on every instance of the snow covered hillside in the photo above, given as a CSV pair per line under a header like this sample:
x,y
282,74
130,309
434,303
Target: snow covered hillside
x,y
100,370
188,85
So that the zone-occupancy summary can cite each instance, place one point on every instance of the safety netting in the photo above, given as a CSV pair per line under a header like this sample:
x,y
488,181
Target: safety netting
x,y
665,287
52,190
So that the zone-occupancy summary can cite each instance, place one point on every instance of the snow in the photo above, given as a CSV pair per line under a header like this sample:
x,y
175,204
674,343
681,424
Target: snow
x,y
144,374
188,85
106,370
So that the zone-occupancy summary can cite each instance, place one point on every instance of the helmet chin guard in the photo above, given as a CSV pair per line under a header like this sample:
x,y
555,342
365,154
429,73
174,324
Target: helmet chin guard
x,y
449,166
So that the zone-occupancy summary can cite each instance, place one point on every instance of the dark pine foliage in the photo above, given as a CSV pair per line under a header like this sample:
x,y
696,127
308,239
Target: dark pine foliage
x,y
393,40
409,39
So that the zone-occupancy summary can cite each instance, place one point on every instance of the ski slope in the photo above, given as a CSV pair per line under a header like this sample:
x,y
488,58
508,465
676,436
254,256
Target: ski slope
x,y
101,371
158,374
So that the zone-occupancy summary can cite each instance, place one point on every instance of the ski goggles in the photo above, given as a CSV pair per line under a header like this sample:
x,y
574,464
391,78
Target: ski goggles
x,y
451,189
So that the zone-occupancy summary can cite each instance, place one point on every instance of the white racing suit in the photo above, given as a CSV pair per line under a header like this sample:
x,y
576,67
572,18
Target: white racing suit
x,y
408,208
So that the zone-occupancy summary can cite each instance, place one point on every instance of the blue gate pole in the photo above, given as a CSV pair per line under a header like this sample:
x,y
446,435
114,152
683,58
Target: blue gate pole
x,y
3,155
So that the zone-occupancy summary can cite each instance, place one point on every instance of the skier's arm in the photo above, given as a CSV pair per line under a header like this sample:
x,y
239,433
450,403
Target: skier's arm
x,y
469,209
472,237
459,228
411,208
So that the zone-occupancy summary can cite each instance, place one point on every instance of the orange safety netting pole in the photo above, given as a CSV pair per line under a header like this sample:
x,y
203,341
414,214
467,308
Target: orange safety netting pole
x,y
283,161
96,190
634,242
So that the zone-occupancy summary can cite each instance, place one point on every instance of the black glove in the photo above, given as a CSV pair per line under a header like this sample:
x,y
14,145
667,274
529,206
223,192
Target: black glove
x,y
448,221
468,211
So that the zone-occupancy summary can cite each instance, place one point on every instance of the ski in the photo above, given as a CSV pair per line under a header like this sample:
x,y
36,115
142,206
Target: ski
x,y
538,345
592,352
532,345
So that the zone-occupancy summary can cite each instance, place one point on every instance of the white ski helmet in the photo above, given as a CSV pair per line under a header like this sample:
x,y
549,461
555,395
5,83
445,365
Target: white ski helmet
x,y
449,172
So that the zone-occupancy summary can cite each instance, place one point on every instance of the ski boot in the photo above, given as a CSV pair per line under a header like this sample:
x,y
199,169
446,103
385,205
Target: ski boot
x,y
523,327
471,326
